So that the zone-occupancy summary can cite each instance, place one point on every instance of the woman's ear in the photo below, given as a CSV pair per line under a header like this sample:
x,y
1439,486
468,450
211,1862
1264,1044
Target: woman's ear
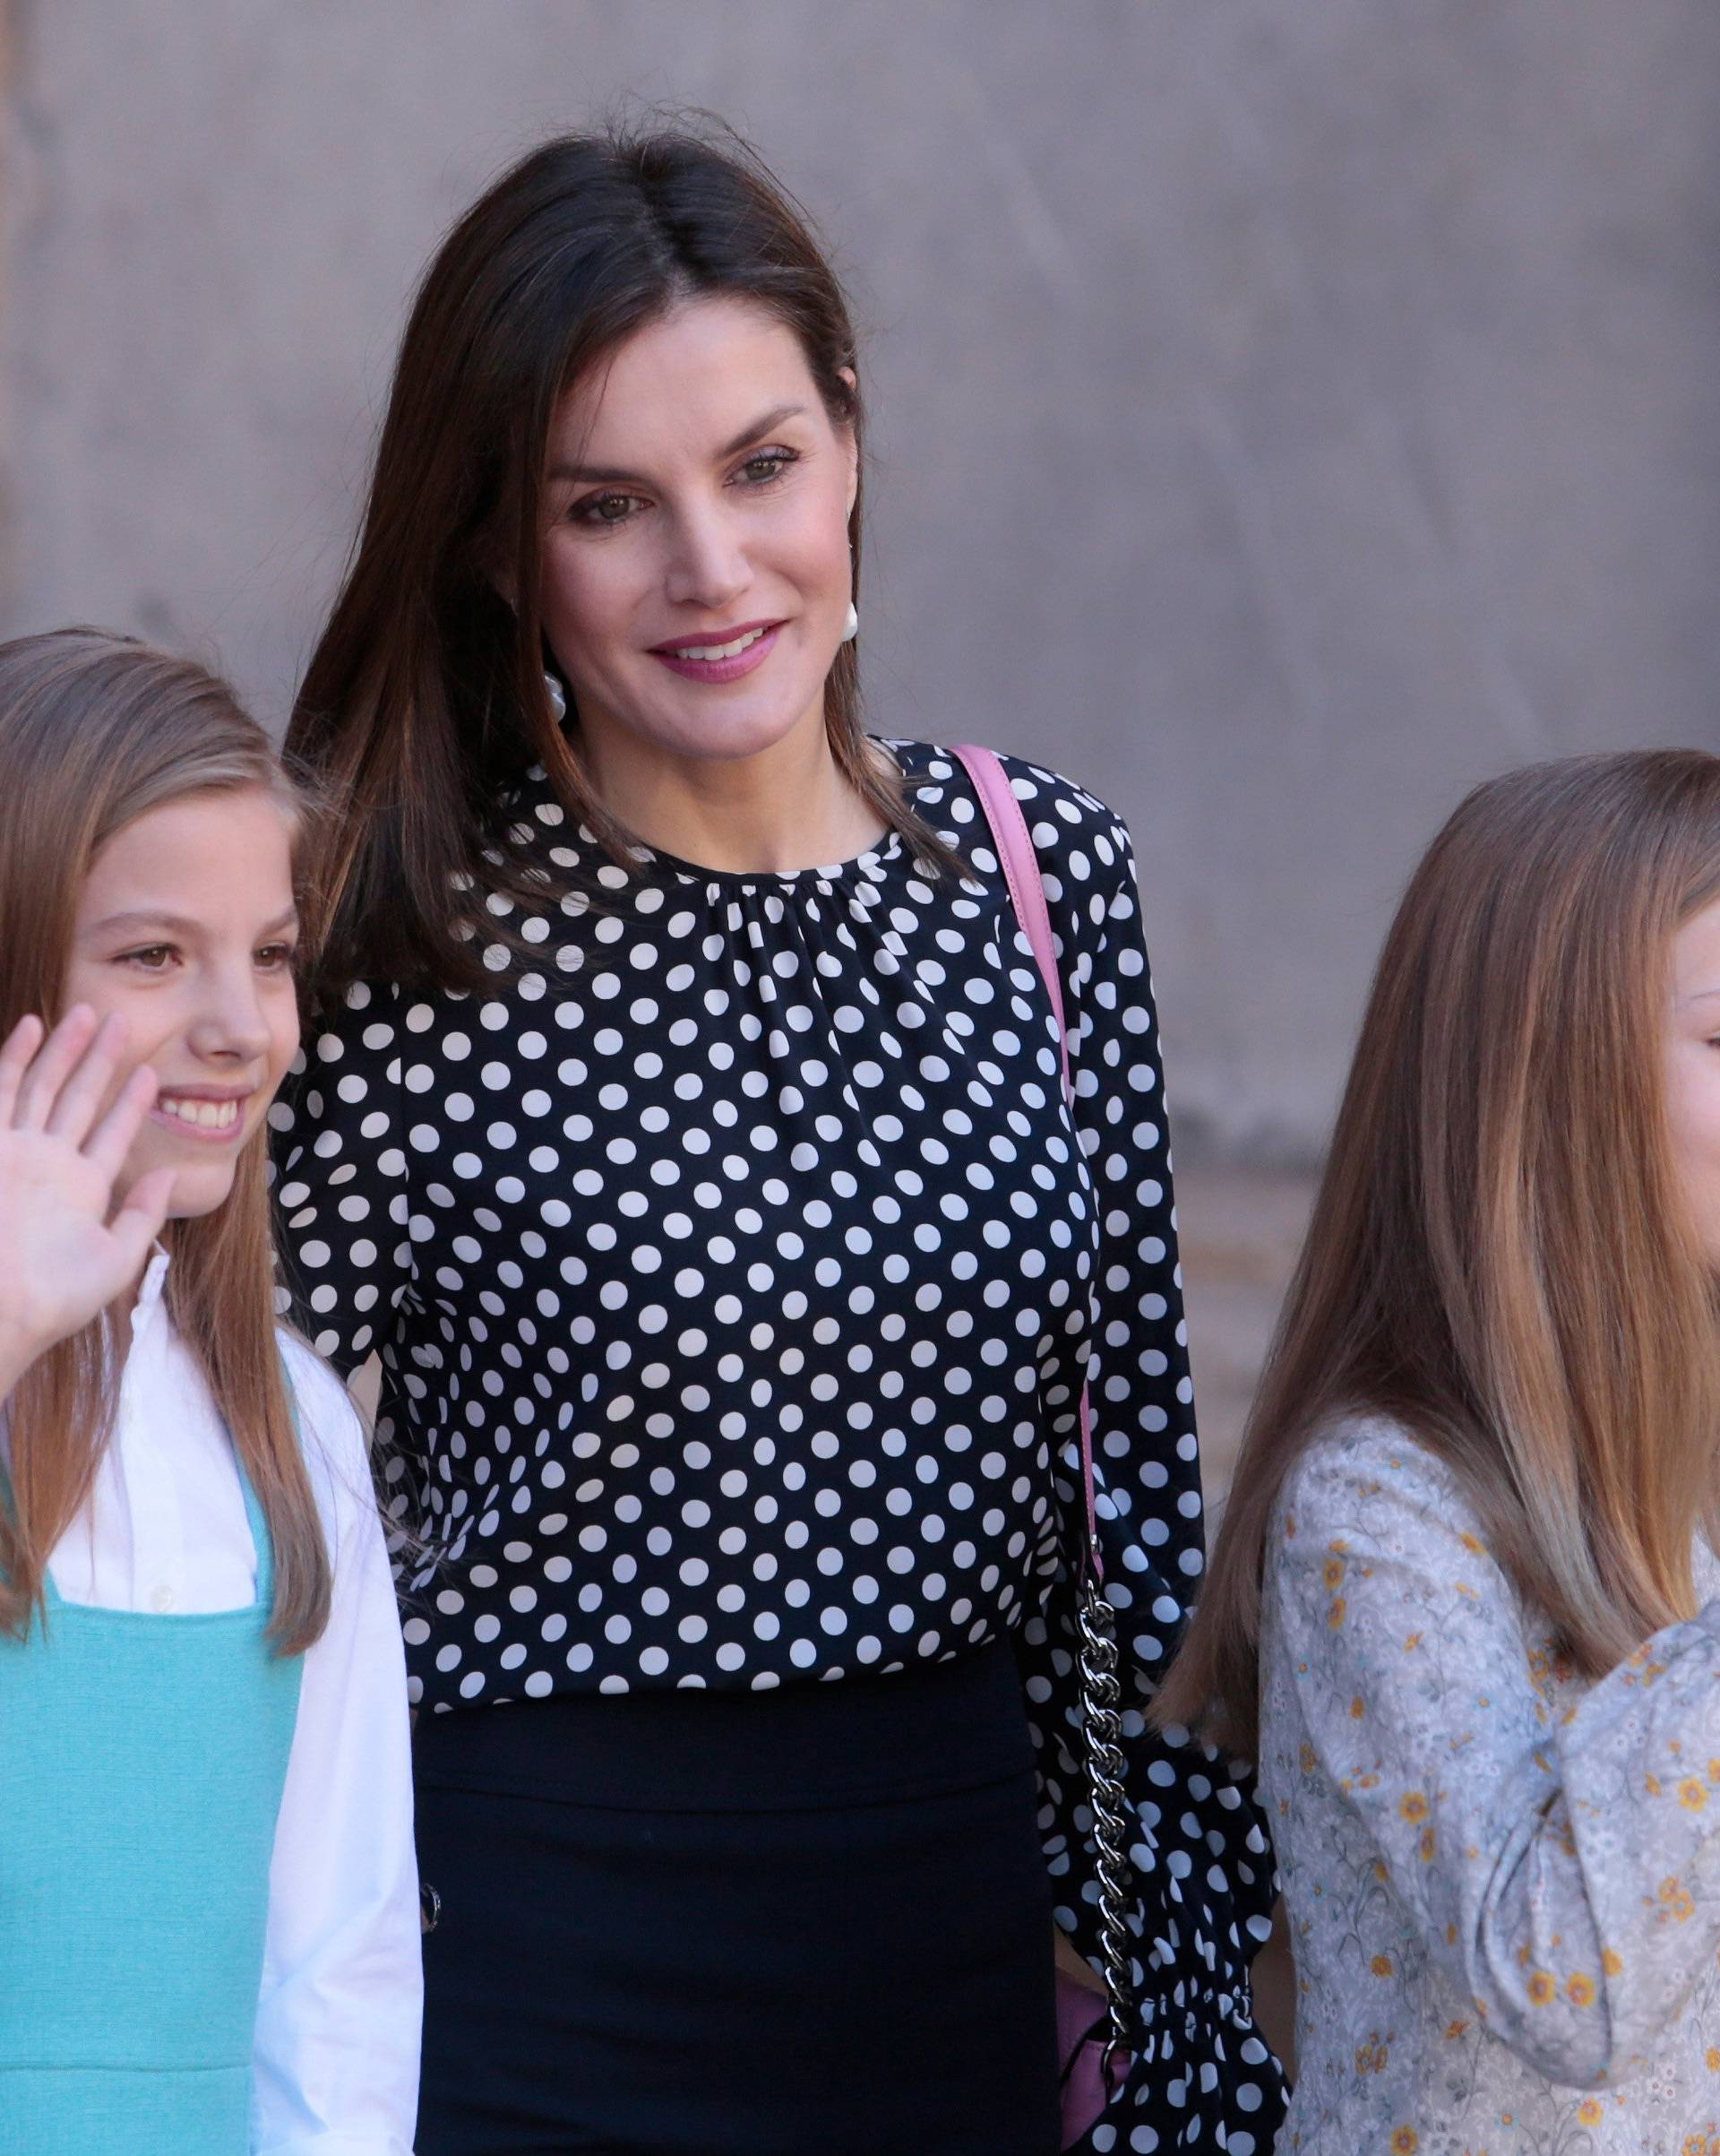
x,y
851,439
503,579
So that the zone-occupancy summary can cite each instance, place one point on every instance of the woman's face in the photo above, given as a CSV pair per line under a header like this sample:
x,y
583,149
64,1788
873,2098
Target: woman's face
x,y
1693,1070
186,929
695,566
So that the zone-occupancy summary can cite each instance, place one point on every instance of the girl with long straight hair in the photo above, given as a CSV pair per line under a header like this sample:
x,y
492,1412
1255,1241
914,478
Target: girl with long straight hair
x,y
686,1132
1465,1607
208,1901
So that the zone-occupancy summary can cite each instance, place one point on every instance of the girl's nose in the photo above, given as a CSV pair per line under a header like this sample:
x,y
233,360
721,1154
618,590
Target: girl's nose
x,y
232,1024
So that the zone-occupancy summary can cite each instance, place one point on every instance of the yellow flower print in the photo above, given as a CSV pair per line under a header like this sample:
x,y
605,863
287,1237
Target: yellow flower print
x,y
1412,1642
1381,1964
1332,1572
1357,1709
1581,1991
1412,1806
1589,2112
1470,1543
1306,1758
1428,1843
1542,1990
1713,2060
1691,1794
1454,2031
1335,1614
1612,1962
1405,2141
1676,1903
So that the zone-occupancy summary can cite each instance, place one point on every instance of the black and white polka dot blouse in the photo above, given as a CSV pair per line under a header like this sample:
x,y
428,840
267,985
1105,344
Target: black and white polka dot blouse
x,y
735,1270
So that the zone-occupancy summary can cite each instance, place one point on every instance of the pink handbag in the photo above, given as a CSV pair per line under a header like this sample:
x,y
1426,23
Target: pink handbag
x,y
1092,2032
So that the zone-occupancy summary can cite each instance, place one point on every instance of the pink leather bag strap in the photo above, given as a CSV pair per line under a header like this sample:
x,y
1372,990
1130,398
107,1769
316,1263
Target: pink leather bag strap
x,y
1020,866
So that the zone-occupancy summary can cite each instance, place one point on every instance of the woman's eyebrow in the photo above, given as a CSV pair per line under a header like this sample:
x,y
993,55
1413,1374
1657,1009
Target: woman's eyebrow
x,y
607,475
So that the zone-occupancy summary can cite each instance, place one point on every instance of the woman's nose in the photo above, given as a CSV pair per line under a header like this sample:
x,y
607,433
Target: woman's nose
x,y
708,567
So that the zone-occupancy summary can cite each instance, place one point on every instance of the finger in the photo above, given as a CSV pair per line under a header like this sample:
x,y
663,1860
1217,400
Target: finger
x,y
140,1220
20,1046
52,1067
88,1090
114,1136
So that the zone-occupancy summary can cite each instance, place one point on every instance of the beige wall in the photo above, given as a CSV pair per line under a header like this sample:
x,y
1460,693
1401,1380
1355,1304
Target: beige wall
x,y
1288,412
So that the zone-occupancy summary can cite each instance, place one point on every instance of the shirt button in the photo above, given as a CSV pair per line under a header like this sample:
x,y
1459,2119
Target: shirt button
x,y
161,1600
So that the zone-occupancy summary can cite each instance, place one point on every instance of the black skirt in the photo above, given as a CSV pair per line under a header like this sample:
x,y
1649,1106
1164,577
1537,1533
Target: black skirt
x,y
808,1923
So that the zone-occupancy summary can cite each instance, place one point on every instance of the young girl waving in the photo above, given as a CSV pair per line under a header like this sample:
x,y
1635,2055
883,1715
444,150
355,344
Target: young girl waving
x,y
208,1901
1468,1575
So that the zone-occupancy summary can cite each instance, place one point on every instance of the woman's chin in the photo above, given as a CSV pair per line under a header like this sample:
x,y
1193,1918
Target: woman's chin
x,y
716,726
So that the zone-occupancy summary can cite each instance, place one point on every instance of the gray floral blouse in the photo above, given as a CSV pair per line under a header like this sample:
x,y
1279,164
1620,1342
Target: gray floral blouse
x,y
1503,1879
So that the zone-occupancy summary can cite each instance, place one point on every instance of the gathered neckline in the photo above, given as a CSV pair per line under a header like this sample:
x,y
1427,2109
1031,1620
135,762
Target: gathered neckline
x,y
887,848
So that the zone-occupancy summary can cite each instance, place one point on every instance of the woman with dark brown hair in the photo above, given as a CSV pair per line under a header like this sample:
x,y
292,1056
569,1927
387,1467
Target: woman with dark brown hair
x,y
686,1136
1465,1607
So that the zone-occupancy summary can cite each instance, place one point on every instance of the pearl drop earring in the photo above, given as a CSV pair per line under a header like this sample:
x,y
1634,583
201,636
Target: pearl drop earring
x,y
557,695
851,626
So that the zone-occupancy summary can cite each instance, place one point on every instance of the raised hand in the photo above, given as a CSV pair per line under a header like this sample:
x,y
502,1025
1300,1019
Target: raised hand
x,y
65,1253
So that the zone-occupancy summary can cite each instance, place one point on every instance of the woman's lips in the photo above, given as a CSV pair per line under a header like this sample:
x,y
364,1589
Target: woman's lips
x,y
756,642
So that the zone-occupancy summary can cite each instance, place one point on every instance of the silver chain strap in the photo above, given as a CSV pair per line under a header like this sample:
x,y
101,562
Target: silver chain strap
x,y
1102,1725
1096,1662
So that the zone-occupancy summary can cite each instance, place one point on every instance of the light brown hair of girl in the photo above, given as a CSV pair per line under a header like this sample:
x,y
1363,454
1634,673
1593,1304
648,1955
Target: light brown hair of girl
x,y
95,730
424,704
1500,1257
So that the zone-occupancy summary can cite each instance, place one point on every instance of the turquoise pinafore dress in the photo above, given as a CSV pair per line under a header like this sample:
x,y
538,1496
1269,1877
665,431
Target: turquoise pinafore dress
x,y
141,1763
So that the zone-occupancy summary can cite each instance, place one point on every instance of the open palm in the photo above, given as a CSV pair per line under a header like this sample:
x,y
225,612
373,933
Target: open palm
x,y
65,1250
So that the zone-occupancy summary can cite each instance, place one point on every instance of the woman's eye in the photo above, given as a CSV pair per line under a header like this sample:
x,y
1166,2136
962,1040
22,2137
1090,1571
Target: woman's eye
x,y
768,464
275,958
604,509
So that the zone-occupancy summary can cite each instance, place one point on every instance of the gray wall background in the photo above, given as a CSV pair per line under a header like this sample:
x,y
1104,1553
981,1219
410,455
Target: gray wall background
x,y
1287,412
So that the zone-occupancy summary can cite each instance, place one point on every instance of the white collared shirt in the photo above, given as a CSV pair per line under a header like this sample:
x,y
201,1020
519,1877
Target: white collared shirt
x,y
336,2055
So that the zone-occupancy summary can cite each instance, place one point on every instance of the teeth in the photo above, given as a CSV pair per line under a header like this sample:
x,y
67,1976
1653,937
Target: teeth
x,y
719,650
207,1115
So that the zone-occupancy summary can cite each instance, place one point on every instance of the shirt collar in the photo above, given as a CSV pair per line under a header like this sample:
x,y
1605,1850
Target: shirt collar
x,y
150,1289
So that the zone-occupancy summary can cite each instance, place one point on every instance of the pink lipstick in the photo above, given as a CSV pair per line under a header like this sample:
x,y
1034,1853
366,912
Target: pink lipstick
x,y
723,655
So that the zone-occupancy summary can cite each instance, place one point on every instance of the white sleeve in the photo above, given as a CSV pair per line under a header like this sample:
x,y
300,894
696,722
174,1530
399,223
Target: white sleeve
x,y
336,2056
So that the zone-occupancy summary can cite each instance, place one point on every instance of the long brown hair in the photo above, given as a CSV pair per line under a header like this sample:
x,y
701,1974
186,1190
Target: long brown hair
x,y
425,702
95,730
1500,1256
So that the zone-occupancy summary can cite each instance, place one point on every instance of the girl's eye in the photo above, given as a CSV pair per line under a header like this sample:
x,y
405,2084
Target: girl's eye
x,y
766,465
151,957
604,509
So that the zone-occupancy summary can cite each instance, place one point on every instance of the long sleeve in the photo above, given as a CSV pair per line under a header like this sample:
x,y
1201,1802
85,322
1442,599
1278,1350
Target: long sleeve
x,y
1559,1861
336,2054
342,1130
1202,1871
1146,1460
339,1154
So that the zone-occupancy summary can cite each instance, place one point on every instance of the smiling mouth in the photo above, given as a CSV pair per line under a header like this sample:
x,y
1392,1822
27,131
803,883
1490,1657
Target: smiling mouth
x,y
208,1118
706,652
720,658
